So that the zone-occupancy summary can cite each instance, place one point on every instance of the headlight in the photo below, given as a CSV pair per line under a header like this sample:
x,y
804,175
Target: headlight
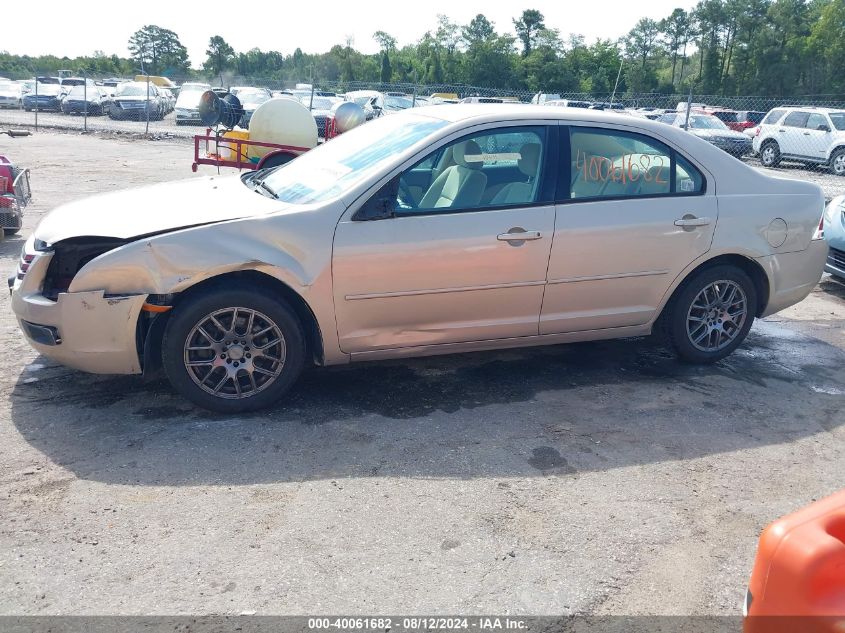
x,y
837,204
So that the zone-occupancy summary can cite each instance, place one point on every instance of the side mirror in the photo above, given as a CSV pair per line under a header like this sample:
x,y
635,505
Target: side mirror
x,y
381,205
823,128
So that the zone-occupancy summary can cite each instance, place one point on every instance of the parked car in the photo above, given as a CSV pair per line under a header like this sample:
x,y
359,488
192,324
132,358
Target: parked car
x,y
813,136
712,130
739,120
45,97
136,100
798,579
321,110
168,98
481,100
430,231
187,104
569,103
834,235
10,95
250,99
542,98
98,100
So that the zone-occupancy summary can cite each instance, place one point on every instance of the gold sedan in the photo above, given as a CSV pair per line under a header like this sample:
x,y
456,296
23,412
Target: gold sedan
x,y
435,230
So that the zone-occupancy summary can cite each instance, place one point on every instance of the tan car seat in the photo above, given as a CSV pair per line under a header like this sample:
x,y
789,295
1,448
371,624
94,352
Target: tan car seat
x,y
521,192
460,185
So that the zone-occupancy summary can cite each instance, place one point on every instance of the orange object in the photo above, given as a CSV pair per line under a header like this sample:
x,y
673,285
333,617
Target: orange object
x,y
798,580
150,307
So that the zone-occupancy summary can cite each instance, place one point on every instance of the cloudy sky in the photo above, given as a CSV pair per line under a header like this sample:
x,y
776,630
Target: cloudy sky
x,y
73,29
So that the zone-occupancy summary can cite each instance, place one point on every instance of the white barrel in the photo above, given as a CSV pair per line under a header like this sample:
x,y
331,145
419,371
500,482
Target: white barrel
x,y
284,122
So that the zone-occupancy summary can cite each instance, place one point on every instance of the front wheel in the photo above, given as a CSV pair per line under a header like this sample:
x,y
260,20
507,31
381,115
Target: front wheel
x,y
233,350
711,314
837,162
770,154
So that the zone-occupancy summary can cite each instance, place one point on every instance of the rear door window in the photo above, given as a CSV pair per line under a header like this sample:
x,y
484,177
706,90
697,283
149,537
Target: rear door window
x,y
617,164
773,117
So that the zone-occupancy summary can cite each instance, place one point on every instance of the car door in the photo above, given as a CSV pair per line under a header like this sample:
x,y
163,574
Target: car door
x,y
454,265
790,134
816,137
632,214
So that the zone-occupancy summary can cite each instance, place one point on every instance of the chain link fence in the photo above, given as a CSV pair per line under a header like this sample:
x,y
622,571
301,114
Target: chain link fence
x,y
802,137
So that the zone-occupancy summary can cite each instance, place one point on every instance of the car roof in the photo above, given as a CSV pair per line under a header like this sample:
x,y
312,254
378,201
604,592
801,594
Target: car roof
x,y
813,108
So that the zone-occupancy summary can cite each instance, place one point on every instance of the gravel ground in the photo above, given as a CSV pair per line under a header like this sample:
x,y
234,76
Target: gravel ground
x,y
599,478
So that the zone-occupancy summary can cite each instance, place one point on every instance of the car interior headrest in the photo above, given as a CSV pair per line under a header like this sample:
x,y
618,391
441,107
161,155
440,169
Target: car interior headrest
x,y
467,148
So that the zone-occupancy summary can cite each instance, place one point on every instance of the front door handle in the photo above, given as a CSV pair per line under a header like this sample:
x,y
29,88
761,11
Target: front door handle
x,y
519,234
691,220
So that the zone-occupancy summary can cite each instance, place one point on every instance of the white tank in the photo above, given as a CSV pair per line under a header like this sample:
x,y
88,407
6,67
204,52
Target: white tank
x,y
284,122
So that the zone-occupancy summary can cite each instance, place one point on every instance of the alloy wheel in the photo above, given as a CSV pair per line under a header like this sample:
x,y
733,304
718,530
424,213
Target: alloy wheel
x,y
235,353
716,316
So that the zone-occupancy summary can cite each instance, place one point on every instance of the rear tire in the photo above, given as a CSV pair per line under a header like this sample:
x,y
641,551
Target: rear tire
x,y
770,154
219,352
710,314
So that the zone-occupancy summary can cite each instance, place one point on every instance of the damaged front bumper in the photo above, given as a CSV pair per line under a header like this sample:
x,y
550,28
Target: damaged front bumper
x,y
91,331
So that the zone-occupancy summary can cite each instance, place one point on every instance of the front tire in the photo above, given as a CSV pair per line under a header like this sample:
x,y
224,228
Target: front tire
x,y
710,315
837,162
233,350
770,154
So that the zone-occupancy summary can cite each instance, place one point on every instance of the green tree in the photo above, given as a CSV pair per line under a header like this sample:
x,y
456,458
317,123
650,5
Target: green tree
x,y
158,51
220,55
478,30
527,27
386,69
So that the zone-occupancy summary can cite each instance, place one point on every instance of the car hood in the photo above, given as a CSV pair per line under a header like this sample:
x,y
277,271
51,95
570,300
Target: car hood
x,y
189,101
155,209
707,134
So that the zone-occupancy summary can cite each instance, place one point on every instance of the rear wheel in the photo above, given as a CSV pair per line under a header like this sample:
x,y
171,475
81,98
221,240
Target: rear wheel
x,y
233,350
770,154
710,315
837,162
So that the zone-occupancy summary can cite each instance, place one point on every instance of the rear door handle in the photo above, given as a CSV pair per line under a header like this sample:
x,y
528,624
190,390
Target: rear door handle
x,y
519,235
692,221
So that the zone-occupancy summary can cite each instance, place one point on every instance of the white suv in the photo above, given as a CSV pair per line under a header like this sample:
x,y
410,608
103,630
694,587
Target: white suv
x,y
815,136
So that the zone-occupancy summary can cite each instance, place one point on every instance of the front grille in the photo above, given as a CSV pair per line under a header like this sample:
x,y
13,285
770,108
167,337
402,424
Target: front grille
x,y
837,258
321,125
10,221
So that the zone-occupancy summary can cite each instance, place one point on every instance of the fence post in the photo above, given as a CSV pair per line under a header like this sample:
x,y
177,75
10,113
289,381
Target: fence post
x,y
36,101
311,103
147,107
689,107
85,100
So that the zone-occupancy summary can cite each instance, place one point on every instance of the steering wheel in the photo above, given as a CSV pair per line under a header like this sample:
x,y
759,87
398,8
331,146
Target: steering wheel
x,y
406,198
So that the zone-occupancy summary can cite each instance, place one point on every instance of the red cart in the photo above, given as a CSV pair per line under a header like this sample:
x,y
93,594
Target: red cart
x,y
207,150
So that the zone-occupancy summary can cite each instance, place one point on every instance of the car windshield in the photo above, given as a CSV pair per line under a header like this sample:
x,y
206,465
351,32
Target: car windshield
x,y
133,90
727,117
48,89
252,96
79,91
193,88
319,103
704,122
397,103
334,167
838,120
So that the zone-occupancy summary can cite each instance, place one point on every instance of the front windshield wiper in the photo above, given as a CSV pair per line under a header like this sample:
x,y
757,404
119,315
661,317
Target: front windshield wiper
x,y
256,182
